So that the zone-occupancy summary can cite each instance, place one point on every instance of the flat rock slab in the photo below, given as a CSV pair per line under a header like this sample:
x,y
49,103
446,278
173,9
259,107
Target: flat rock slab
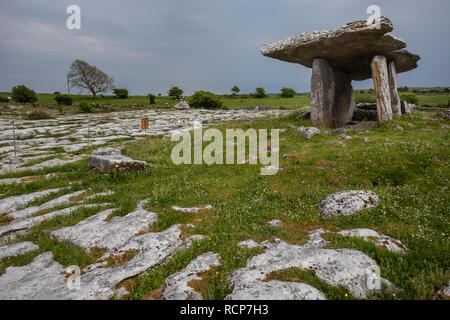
x,y
380,240
192,209
179,285
348,268
16,249
100,232
348,49
347,202
121,163
14,203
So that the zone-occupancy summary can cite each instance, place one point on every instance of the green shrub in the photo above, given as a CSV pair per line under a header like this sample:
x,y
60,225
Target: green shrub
x,y
410,98
39,114
63,99
4,99
260,93
152,99
121,93
56,92
84,107
175,92
287,92
23,94
205,100
235,90
364,98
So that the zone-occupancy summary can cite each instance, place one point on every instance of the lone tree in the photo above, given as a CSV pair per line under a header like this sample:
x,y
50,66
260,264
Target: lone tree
x,y
175,92
83,75
287,92
235,90
260,93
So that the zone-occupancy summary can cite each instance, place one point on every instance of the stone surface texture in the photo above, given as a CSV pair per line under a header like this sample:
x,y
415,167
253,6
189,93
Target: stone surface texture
x,y
347,203
382,89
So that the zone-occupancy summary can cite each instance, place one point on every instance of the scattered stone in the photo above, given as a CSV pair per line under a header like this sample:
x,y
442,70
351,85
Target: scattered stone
x,y
445,126
274,223
400,128
444,293
380,240
309,132
194,209
183,105
249,244
347,203
339,131
345,137
411,125
367,106
108,151
18,248
182,285
366,140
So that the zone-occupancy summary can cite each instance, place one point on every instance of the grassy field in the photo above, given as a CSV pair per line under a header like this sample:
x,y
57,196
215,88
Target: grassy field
x,y
276,101
408,170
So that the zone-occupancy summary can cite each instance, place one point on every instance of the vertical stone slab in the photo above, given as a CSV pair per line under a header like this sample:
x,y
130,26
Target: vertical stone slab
x,y
344,102
382,91
322,93
395,99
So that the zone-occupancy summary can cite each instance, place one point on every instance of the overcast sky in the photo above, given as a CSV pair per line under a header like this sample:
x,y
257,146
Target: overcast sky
x,y
150,45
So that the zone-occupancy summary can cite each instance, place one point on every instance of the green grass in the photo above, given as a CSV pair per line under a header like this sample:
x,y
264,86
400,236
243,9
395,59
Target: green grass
x,y
410,175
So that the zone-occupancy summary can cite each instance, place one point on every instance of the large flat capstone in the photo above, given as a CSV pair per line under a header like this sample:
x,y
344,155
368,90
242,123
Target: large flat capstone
x,y
349,49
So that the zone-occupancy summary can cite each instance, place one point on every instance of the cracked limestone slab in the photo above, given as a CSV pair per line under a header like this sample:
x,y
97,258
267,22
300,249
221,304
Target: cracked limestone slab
x,y
100,232
348,202
14,203
380,240
16,249
62,200
176,286
9,231
309,132
348,268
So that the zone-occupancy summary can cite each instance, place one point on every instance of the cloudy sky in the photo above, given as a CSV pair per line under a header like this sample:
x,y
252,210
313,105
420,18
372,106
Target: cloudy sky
x,y
151,45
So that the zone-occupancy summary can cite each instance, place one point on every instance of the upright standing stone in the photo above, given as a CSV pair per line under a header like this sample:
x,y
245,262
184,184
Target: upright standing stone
x,y
344,102
332,99
395,99
322,93
382,91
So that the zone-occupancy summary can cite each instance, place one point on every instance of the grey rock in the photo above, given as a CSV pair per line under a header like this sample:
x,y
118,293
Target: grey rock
x,y
274,223
378,239
445,114
337,267
193,209
18,248
364,114
14,203
249,244
395,99
99,232
176,286
107,163
347,202
183,105
109,151
309,132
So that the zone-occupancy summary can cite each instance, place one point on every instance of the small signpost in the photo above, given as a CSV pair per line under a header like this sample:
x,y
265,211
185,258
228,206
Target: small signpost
x,y
144,124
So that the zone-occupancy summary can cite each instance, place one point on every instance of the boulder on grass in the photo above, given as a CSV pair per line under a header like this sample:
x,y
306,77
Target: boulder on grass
x,y
347,202
105,160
